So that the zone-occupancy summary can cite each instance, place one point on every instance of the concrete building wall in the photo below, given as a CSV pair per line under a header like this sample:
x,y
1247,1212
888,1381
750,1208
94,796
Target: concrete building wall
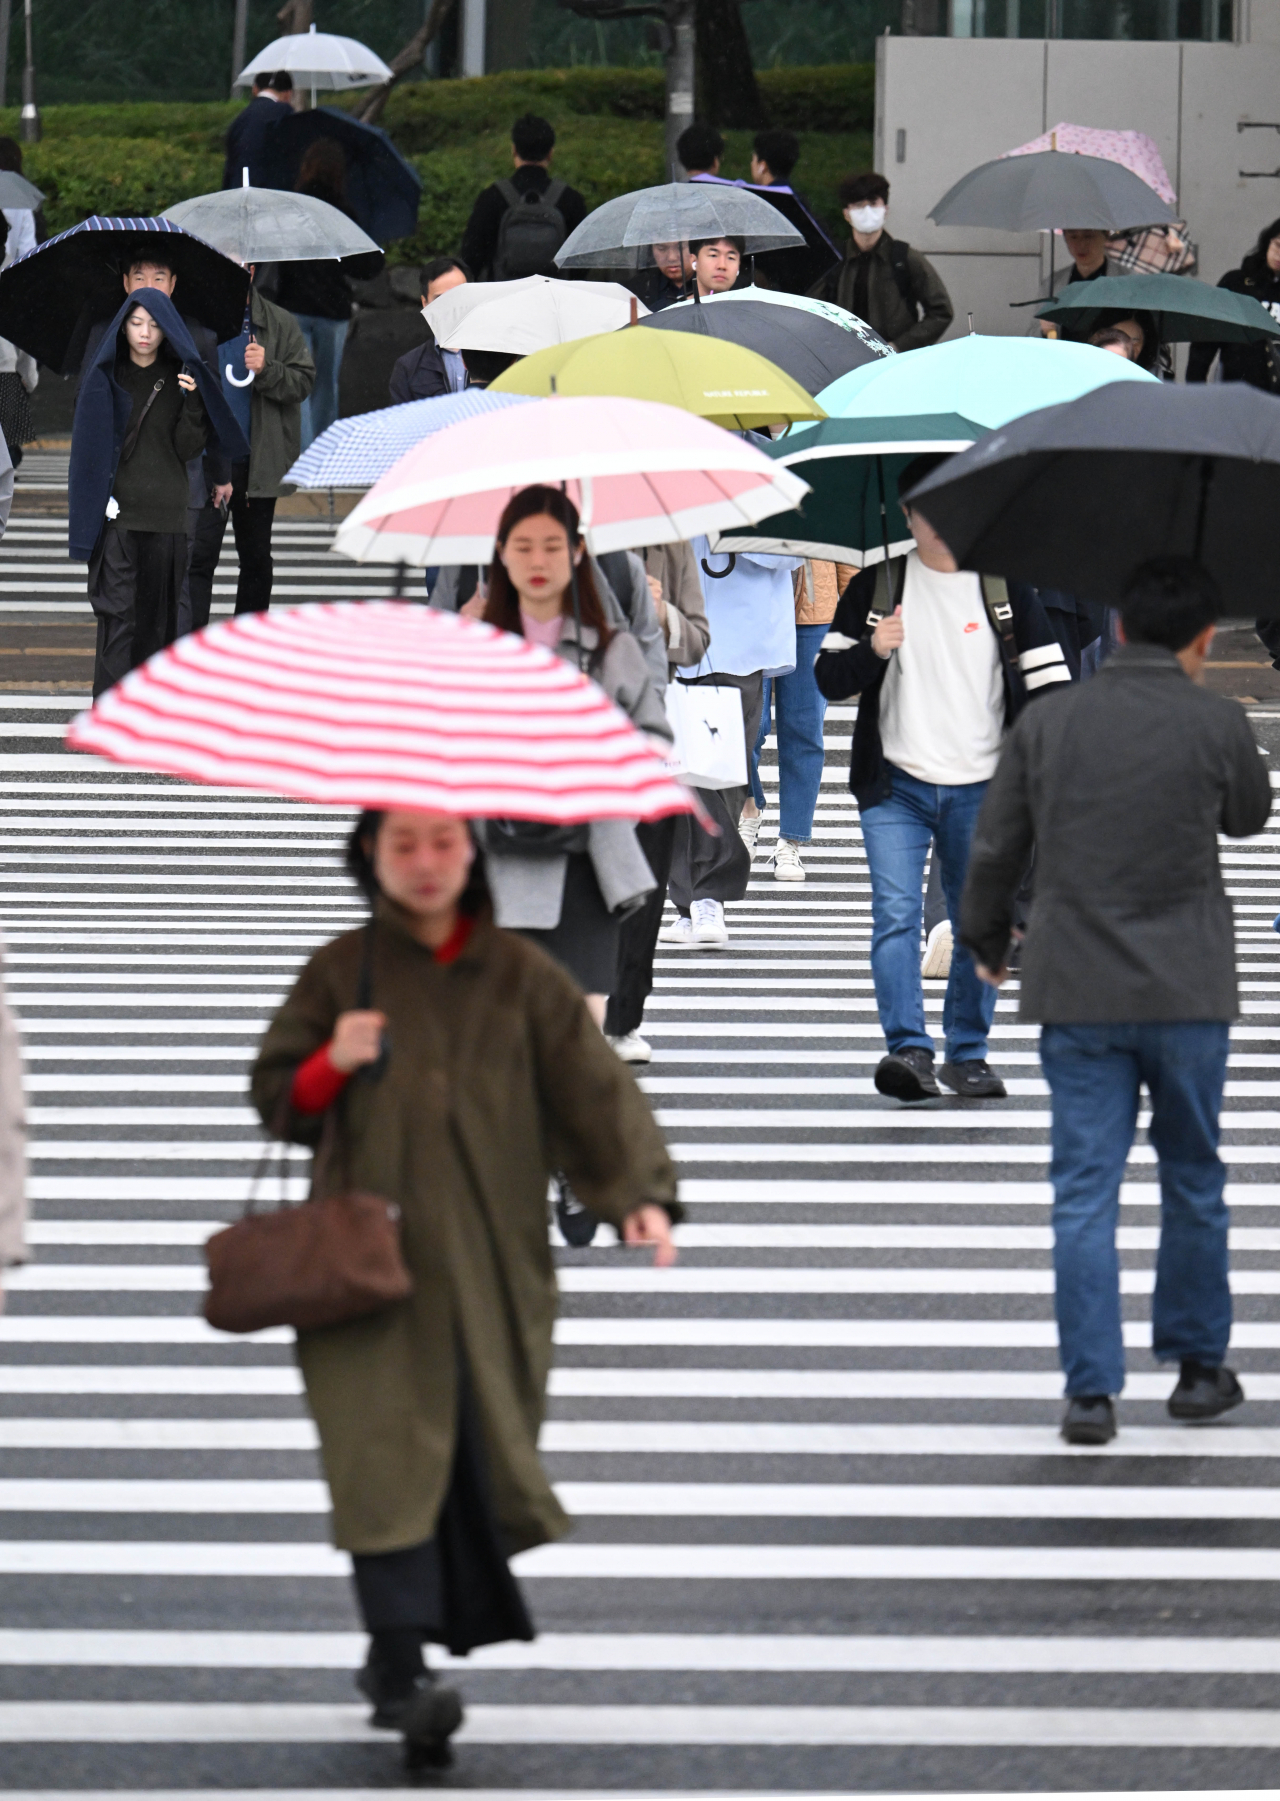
x,y
943,105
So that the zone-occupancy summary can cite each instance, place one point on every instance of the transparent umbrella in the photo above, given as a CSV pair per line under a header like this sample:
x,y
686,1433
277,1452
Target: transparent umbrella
x,y
268,225
620,234
318,59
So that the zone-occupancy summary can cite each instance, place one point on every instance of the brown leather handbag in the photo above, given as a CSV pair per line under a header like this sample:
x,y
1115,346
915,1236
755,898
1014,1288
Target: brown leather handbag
x,y
332,1258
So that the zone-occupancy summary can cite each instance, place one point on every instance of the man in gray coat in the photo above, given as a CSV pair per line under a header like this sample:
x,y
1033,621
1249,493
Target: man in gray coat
x,y
1123,784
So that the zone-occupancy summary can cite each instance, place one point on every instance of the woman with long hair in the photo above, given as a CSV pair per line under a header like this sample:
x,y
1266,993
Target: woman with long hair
x,y
567,888
455,1065
1259,275
317,293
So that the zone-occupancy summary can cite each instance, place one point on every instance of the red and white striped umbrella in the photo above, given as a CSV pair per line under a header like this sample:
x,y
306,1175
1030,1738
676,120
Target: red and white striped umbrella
x,y
383,704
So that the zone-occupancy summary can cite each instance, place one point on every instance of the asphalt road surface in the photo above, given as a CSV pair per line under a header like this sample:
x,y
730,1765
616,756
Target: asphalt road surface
x,y
828,1539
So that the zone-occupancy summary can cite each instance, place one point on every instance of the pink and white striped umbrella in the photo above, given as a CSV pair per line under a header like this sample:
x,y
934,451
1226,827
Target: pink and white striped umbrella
x,y
383,704
639,472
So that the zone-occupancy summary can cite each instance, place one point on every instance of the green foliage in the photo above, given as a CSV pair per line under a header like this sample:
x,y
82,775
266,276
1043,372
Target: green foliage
x,y
138,158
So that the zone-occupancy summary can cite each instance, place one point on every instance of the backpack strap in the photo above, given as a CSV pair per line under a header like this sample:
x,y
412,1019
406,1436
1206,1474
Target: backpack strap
x,y
995,597
553,193
900,268
510,192
881,605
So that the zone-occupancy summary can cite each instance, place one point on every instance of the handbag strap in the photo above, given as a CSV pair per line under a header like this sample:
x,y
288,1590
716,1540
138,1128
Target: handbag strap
x,y
135,430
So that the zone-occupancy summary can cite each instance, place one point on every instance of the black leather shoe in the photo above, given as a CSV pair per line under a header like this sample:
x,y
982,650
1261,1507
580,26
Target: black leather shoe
x,y
577,1223
907,1075
1203,1393
388,1707
432,1715
1089,1420
975,1081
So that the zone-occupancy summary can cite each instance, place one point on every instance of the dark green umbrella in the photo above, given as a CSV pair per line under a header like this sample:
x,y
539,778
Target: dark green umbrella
x,y
852,467
1185,311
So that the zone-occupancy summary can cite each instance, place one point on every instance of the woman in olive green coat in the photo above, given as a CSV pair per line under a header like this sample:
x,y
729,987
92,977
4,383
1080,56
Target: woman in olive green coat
x,y
474,1073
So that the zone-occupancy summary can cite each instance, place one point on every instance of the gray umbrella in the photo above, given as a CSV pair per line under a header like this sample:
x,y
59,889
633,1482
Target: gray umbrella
x,y
1052,189
268,225
620,234
17,192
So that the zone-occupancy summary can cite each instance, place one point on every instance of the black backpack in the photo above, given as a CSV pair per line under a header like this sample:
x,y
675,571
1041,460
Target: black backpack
x,y
531,231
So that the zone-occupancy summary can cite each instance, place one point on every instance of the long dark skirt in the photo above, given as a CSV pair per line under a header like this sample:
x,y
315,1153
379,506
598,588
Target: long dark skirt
x,y
454,1589
585,941
135,579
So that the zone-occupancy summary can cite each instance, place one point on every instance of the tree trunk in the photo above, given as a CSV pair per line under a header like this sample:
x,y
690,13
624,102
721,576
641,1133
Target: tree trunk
x,y
295,17
406,59
727,91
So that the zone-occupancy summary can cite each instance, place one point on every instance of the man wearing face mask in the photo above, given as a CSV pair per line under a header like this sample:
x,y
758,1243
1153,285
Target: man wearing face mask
x,y
881,279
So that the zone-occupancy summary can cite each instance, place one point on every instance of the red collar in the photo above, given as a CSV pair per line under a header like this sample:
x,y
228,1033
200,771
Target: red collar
x,y
456,942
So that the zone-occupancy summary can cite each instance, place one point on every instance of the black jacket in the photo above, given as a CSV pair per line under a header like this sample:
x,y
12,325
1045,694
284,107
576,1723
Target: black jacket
x,y
248,142
480,240
1123,784
846,665
419,374
1254,363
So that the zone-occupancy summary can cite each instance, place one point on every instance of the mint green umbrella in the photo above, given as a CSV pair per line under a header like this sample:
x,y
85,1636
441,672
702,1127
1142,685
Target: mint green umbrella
x,y
852,514
991,380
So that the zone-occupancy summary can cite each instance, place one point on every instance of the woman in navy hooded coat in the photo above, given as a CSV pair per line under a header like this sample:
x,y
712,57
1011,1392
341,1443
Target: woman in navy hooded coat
x,y
147,405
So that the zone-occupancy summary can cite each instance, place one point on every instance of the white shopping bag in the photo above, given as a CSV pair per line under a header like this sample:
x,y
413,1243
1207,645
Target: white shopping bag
x,y
710,740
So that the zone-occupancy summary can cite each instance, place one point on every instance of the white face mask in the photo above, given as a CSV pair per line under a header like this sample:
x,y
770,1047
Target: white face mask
x,y
866,218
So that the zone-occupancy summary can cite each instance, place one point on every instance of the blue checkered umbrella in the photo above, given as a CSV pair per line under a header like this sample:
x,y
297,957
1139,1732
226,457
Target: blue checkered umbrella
x,y
356,452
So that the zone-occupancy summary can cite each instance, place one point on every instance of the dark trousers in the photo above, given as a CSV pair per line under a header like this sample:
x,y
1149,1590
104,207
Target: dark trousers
x,y
638,937
719,868
134,582
251,521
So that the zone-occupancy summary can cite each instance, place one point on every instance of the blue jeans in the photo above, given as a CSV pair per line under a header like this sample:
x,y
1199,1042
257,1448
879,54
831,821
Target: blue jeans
x,y
325,339
1095,1073
800,711
896,835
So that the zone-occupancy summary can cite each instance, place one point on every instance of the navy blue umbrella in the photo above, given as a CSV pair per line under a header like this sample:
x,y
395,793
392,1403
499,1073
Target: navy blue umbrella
x,y
383,190
50,297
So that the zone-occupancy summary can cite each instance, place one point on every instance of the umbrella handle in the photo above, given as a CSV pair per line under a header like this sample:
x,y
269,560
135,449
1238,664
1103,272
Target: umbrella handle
x,y
235,380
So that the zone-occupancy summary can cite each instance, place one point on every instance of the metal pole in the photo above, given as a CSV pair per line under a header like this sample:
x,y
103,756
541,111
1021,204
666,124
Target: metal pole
x,y
680,74
30,112
6,13
237,41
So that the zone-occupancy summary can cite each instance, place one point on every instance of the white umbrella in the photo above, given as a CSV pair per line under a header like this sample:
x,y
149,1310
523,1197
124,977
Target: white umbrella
x,y
272,225
319,60
523,316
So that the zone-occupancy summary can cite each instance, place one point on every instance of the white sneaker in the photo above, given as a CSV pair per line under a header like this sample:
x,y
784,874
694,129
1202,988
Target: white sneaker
x,y
631,1047
749,830
787,866
679,932
936,963
709,928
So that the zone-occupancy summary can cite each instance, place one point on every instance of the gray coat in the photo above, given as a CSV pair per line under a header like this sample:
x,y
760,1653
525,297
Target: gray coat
x,y
528,891
1122,783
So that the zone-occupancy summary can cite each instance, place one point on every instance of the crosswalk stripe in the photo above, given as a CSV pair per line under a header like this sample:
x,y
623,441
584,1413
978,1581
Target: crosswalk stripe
x,y
729,1426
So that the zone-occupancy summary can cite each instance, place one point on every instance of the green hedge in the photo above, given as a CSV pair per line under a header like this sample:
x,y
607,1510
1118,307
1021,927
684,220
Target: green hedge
x,y
140,158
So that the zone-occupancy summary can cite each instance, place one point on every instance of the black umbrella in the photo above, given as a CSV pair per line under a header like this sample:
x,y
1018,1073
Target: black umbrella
x,y
50,297
810,348
383,190
1075,496
1052,189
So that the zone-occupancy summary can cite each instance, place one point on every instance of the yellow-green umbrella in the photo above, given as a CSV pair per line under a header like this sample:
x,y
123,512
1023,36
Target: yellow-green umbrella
x,y
718,381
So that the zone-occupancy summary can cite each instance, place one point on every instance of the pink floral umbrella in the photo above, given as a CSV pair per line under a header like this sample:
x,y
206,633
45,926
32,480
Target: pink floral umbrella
x,y
1134,149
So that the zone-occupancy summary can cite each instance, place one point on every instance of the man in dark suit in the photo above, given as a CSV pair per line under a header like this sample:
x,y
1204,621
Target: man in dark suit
x,y
249,133
423,373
